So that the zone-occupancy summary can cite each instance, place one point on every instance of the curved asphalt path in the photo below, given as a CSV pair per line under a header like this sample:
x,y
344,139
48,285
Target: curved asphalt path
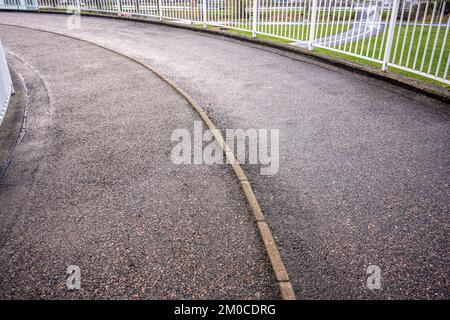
x,y
92,184
364,170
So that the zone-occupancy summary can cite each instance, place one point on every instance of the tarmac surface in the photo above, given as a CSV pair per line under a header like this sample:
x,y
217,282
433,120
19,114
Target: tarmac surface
x,y
92,184
364,166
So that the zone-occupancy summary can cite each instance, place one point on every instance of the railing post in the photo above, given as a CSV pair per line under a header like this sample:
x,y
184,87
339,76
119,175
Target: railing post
x,y
160,10
390,36
255,17
312,29
204,13
119,6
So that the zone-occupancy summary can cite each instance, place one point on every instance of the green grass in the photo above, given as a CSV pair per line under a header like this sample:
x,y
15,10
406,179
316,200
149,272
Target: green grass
x,y
404,39
378,66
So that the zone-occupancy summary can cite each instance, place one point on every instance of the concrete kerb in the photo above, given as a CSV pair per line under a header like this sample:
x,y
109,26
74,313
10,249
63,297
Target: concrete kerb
x,y
282,278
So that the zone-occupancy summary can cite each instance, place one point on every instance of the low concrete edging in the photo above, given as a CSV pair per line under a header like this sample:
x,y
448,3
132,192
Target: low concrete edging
x,y
281,276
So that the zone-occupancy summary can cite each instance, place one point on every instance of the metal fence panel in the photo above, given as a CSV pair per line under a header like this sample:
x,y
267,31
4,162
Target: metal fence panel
x,y
6,87
19,4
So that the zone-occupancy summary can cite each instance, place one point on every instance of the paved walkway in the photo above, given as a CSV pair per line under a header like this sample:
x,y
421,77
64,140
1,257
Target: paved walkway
x,y
364,173
92,184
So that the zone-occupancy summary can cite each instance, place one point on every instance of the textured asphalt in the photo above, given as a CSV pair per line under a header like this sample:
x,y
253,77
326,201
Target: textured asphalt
x,y
364,166
92,184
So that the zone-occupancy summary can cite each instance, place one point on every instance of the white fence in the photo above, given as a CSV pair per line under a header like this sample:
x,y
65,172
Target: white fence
x,y
410,35
19,4
6,86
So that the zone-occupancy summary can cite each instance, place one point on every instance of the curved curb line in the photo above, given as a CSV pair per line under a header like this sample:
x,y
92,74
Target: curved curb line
x,y
280,272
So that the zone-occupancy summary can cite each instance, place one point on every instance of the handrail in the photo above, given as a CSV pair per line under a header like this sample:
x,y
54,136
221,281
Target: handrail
x,y
6,85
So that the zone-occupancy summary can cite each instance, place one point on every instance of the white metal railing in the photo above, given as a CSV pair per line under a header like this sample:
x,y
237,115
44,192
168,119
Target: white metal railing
x,y
411,35
6,86
19,4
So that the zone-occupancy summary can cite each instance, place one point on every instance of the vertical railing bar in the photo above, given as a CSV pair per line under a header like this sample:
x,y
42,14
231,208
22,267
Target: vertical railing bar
x,y
378,32
281,7
290,21
204,13
428,37
398,32
390,36
308,19
235,13
284,18
359,33
182,11
385,28
297,19
241,15
371,30
344,22
243,18
248,14
338,23
313,24
350,21
446,67
405,35
332,24
224,12
284,7
364,37
255,13
443,47
437,37
321,22
328,21
216,12
159,9
261,23
420,35
261,17
293,20
277,18
411,44
316,28
265,15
